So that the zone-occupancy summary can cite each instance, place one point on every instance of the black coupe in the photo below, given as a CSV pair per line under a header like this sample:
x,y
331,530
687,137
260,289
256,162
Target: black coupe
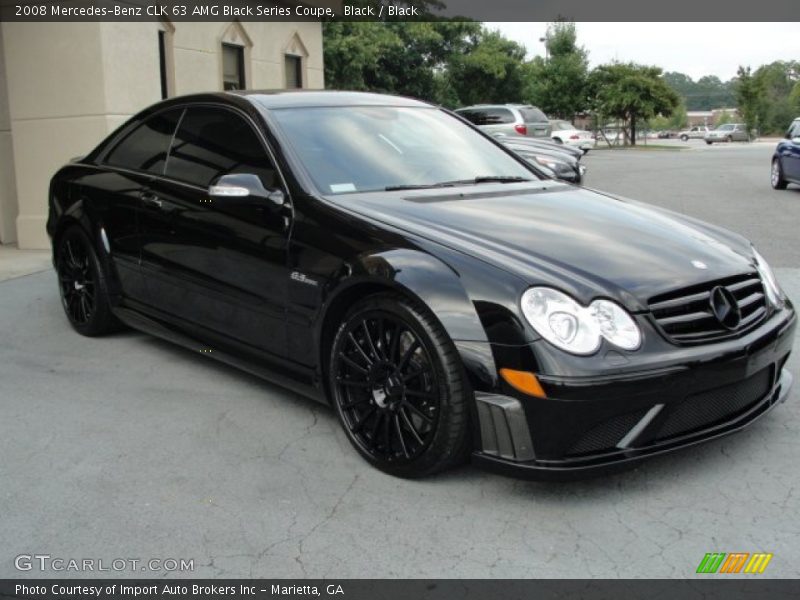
x,y
385,256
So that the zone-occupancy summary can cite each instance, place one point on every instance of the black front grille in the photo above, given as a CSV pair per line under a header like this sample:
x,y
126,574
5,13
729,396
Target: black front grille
x,y
716,406
685,315
607,434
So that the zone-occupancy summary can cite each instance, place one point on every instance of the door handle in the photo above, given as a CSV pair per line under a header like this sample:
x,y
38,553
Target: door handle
x,y
150,198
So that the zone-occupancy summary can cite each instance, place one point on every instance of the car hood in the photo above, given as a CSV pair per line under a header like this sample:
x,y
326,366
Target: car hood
x,y
584,242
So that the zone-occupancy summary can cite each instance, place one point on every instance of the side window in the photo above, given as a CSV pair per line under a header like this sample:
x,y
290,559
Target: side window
x,y
794,130
487,116
212,142
145,148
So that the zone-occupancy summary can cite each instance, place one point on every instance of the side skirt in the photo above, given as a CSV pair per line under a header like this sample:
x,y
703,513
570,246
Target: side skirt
x,y
294,379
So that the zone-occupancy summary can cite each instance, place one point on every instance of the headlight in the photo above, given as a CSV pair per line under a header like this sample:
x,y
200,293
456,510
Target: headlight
x,y
550,163
577,329
771,287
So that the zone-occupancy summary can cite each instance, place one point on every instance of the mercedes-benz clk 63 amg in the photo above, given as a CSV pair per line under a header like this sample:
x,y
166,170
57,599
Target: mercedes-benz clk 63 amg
x,y
445,297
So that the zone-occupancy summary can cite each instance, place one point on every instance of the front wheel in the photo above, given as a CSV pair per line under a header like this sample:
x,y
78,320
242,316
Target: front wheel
x,y
729,139
398,387
684,138
82,285
709,143
776,176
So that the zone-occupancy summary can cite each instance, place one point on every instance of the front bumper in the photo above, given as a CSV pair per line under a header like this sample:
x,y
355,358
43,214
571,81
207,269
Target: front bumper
x,y
594,424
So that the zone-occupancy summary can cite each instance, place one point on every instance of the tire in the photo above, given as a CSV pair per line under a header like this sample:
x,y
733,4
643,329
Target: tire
x,y
82,285
398,387
709,143
684,138
558,140
729,139
776,176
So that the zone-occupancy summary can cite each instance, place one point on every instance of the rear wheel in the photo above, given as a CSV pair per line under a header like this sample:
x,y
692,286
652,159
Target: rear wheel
x,y
398,387
82,285
776,176
709,142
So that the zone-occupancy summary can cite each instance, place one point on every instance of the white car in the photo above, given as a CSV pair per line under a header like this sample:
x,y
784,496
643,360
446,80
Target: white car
x,y
564,132
698,132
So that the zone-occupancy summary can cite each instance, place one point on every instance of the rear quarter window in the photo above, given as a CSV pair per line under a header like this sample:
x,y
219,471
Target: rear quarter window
x,y
145,148
532,114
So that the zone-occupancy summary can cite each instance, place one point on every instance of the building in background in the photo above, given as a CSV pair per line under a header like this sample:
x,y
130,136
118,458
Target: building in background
x,y
65,86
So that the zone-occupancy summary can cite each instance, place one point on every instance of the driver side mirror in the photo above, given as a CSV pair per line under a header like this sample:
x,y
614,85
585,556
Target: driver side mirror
x,y
244,188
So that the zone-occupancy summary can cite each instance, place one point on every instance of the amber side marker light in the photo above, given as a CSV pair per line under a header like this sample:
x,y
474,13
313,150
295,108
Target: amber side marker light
x,y
524,382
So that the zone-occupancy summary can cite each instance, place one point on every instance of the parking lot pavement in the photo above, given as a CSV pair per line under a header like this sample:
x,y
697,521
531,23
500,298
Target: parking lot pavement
x,y
126,446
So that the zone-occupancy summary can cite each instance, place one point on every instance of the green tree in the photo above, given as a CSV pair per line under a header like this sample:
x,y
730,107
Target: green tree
x,y
750,99
400,57
794,99
706,93
490,69
777,81
631,92
558,85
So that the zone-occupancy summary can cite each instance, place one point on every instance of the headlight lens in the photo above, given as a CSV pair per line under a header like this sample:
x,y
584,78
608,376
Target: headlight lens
x,y
577,329
616,325
771,286
550,163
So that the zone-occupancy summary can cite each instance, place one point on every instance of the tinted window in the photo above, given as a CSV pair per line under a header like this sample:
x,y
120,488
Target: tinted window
x,y
145,148
212,142
532,114
487,116
794,130
367,148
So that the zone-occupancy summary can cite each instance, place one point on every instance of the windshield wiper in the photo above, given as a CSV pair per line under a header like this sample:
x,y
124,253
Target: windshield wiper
x,y
473,181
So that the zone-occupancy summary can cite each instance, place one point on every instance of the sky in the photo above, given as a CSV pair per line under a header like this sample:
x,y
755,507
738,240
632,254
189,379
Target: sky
x,y
696,49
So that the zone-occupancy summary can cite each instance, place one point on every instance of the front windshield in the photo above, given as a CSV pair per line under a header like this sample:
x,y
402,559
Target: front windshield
x,y
350,149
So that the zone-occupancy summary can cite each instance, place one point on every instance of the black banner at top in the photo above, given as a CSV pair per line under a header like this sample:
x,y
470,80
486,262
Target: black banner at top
x,y
378,10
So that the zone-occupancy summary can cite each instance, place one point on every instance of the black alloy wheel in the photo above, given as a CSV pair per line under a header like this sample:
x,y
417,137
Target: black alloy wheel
x,y
398,389
82,286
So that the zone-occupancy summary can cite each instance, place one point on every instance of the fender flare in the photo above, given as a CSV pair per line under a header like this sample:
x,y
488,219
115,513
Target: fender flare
x,y
431,282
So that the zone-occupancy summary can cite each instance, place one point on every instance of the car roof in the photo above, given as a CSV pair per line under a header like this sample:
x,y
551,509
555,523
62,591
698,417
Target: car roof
x,y
270,99
319,98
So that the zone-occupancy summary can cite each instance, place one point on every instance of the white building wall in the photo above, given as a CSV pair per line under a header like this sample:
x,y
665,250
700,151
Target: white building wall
x,y
8,191
70,84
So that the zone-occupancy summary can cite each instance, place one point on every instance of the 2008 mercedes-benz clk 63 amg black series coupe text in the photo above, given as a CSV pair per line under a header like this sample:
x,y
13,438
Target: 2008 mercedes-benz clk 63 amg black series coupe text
x,y
447,299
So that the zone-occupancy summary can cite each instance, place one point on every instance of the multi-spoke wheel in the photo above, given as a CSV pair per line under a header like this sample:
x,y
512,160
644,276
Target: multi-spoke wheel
x,y
397,386
776,176
82,285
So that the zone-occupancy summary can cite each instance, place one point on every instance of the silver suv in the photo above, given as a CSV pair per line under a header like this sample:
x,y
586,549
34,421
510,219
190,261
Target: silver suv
x,y
508,119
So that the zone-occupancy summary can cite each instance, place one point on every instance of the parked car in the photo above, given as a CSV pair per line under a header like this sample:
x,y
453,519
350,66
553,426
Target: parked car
x,y
564,166
544,144
786,159
698,132
666,134
509,119
379,254
564,132
730,132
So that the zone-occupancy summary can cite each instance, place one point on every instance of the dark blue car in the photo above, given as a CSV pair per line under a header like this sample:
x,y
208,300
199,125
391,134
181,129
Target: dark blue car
x,y
786,160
